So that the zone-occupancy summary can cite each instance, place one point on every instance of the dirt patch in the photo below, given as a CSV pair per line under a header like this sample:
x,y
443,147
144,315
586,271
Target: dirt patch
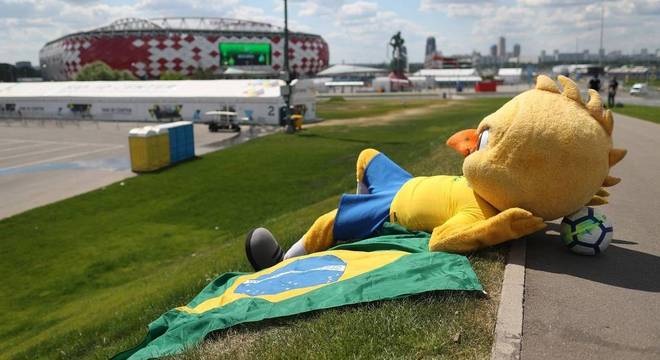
x,y
385,118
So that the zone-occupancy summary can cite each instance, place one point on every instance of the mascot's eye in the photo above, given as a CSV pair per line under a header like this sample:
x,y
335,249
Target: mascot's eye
x,y
483,140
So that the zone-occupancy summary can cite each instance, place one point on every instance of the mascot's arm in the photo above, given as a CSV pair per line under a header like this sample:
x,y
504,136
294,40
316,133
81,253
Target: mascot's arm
x,y
464,233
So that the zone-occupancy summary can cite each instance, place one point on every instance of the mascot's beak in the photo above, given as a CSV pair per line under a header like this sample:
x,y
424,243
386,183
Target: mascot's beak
x,y
464,141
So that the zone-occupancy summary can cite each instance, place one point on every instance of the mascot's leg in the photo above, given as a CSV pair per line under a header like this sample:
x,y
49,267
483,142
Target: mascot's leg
x,y
319,237
361,214
363,161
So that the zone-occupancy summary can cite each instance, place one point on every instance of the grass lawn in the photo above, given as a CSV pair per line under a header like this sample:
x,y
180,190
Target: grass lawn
x,y
650,113
83,277
338,107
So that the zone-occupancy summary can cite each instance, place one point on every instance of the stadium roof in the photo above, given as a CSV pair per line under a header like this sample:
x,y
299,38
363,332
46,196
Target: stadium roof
x,y
188,23
349,69
131,91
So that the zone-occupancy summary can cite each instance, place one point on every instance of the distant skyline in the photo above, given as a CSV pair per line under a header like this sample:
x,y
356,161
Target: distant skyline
x,y
357,31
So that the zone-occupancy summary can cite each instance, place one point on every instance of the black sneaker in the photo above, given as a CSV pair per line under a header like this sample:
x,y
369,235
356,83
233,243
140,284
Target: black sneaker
x,y
262,249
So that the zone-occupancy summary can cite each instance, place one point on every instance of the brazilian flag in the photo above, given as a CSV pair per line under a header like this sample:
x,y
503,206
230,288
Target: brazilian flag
x,y
395,264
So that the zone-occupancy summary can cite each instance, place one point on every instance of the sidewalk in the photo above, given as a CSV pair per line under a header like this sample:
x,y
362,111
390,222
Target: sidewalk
x,y
607,306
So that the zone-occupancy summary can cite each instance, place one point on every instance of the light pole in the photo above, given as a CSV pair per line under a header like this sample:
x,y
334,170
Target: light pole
x,y
601,51
287,77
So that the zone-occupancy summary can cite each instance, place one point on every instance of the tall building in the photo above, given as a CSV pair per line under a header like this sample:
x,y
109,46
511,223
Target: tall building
x,y
502,48
493,50
516,50
430,46
24,65
7,73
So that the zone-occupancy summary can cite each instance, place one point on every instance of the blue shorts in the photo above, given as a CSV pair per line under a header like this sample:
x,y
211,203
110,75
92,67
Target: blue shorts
x,y
361,216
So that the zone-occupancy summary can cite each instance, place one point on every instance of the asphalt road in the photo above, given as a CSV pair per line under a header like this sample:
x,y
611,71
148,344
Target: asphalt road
x,y
45,161
607,306
650,99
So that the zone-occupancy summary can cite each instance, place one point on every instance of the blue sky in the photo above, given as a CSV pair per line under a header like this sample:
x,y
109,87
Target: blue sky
x,y
357,31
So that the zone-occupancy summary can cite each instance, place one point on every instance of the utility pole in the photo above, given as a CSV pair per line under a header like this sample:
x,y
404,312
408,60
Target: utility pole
x,y
287,76
601,51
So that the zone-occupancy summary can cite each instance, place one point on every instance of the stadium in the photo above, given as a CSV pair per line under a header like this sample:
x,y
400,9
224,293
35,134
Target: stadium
x,y
149,48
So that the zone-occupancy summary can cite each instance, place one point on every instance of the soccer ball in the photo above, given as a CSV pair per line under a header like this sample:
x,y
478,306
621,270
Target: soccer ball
x,y
586,232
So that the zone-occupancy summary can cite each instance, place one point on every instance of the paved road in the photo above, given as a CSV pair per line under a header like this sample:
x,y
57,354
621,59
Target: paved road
x,y
651,99
43,162
604,307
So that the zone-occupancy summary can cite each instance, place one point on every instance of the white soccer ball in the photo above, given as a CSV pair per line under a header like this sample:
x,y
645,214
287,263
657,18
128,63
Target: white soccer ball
x,y
586,232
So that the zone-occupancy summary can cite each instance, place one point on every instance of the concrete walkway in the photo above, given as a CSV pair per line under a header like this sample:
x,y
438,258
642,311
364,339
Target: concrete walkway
x,y
608,306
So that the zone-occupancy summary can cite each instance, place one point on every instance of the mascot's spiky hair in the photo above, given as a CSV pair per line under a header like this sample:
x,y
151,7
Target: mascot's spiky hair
x,y
595,108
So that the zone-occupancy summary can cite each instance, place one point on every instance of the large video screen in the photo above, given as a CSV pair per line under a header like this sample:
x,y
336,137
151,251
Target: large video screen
x,y
244,54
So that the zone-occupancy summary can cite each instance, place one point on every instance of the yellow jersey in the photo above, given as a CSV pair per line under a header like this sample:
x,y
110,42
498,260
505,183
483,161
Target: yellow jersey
x,y
426,202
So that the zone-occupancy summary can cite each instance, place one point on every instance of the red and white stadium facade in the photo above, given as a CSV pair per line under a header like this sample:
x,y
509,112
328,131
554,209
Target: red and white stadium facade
x,y
148,48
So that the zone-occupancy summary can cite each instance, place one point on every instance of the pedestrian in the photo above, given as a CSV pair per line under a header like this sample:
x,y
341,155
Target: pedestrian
x,y
611,92
594,83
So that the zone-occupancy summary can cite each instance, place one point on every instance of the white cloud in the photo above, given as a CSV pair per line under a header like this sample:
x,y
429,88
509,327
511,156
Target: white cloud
x,y
324,8
359,9
458,7
362,31
184,7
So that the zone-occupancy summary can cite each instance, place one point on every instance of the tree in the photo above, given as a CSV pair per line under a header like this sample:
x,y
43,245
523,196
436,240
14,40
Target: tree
x,y
100,71
202,74
172,75
125,75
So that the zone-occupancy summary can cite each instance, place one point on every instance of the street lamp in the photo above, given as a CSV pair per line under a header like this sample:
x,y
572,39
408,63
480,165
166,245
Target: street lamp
x,y
290,129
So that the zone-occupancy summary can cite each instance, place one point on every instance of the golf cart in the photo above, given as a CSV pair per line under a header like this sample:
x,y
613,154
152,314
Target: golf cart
x,y
225,121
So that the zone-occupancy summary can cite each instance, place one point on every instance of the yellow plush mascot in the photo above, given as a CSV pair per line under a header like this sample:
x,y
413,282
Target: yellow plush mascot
x,y
543,155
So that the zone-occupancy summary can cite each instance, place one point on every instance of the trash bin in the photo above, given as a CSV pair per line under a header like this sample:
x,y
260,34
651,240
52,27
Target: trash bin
x,y
297,121
149,148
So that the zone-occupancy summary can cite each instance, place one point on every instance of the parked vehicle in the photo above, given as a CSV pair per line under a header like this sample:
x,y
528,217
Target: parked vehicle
x,y
223,121
639,89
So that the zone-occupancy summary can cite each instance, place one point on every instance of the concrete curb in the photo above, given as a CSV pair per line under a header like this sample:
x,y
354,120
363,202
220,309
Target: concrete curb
x,y
508,330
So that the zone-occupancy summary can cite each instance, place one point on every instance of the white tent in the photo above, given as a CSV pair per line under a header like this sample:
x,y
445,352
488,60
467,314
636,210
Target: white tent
x,y
510,75
259,100
450,75
346,70
629,72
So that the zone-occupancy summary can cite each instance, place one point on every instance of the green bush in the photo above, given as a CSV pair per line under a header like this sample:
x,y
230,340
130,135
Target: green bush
x,y
100,71
172,75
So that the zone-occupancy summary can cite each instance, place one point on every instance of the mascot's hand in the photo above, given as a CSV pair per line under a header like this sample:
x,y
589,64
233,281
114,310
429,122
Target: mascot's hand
x,y
461,234
517,222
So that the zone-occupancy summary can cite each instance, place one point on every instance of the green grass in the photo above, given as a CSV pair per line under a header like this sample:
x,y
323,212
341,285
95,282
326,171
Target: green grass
x,y
340,108
650,113
83,277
